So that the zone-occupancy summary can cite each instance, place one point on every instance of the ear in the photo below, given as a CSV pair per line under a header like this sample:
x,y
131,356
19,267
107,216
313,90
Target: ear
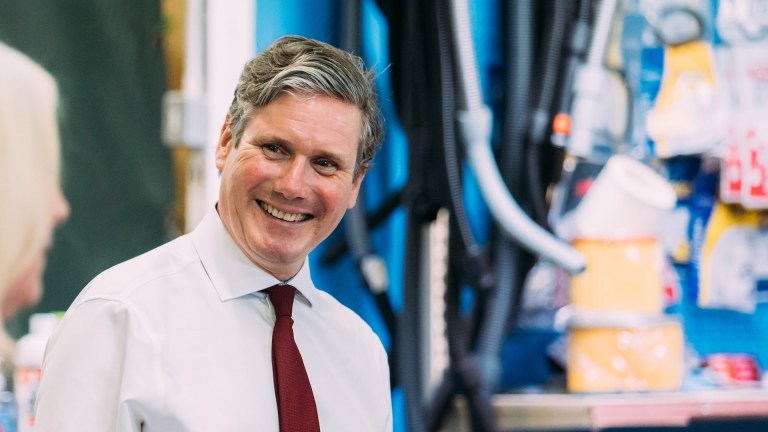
x,y
225,145
355,190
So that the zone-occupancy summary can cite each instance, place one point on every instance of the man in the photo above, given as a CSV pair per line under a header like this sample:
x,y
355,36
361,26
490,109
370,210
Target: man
x,y
180,339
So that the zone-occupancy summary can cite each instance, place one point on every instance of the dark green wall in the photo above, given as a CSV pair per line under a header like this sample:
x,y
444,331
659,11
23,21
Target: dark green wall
x,y
107,57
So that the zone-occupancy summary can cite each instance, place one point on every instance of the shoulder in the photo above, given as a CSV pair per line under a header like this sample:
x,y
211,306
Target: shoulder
x,y
123,280
350,325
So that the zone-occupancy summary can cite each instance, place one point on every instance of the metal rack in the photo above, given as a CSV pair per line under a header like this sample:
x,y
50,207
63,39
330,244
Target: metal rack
x,y
594,412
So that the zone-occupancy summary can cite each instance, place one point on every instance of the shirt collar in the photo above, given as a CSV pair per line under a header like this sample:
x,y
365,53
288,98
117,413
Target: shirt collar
x,y
231,272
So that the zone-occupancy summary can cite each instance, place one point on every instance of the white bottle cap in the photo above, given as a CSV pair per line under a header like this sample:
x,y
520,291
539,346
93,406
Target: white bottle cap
x,y
42,323
627,200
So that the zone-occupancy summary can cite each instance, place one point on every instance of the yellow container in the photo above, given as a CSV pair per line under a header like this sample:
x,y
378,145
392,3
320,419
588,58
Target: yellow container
x,y
635,358
621,275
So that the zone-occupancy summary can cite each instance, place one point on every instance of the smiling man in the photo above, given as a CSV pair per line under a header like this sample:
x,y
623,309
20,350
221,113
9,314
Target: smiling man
x,y
222,329
287,182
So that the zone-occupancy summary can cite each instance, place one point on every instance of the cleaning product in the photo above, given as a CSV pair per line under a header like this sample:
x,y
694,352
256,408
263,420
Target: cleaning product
x,y
28,360
8,410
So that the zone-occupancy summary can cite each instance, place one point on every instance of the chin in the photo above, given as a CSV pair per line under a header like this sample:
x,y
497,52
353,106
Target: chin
x,y
26,291
284,257
280,249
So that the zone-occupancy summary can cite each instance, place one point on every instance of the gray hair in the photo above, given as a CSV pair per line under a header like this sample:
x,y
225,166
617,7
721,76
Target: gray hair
x,y
309,67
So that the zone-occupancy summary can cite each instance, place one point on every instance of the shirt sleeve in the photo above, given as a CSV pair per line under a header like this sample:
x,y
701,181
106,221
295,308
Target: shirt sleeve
x,y
96,371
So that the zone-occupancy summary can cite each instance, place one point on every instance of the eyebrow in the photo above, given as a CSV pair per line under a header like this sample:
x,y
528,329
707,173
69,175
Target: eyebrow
x,y
269,139
282,142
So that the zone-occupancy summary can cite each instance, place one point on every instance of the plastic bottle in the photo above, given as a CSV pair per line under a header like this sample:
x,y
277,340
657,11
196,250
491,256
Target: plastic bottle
x,y
28,360
8,410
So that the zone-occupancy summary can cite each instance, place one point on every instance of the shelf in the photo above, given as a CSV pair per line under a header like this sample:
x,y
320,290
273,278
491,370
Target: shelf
x,y
599,411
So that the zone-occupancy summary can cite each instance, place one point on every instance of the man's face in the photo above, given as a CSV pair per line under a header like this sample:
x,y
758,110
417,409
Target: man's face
x,y
289,181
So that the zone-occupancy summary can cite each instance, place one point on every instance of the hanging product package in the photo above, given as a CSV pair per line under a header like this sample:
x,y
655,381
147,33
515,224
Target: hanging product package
x,y
752,84
727,260
686,118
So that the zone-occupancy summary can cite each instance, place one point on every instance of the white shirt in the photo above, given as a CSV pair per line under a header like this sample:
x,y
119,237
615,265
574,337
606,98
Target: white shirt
x,y
179,340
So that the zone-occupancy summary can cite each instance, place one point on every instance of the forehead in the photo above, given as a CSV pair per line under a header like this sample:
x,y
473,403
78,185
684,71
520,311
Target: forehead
x,y
316,120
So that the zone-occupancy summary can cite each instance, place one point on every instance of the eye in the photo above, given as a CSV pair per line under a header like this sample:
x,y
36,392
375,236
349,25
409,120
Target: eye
x,y
325,166
272,150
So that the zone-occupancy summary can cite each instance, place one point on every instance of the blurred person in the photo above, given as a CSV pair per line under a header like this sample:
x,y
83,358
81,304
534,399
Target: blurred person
x,y
29,182
191,336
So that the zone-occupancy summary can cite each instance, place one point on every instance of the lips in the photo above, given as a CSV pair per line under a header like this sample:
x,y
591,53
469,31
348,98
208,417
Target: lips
x,y
279,214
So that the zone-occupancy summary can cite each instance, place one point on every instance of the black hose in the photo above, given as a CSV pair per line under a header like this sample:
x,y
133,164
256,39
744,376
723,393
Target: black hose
x,y
464,368
472,258
463,375
372,267
549,69
441,401
409,338
519,43
339,246
519,56
351,26
541,114
412,95
578,45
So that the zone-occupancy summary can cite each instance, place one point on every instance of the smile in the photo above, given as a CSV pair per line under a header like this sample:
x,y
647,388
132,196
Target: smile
x,y
279,214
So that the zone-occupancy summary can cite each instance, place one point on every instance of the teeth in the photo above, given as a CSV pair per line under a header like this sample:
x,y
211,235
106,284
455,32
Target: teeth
x,y
289,217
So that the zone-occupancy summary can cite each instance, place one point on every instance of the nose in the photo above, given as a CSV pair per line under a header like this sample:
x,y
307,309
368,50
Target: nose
x,y
60,210
293,181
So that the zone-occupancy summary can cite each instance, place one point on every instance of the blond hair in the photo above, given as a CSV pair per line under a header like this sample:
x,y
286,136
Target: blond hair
x,y
29,166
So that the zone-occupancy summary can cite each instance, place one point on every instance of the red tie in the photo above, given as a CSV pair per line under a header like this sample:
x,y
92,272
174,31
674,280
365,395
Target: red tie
x,y
296,407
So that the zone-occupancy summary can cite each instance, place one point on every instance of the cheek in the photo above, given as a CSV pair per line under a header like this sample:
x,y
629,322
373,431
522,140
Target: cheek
x,y
26,290
337,202
233,183
245,176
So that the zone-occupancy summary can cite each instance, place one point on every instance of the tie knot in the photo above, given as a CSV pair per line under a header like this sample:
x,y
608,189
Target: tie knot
x,y
281,297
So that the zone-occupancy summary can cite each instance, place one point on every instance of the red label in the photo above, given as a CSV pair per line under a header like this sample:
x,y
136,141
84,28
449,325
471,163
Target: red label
x,y
731,190
754,174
